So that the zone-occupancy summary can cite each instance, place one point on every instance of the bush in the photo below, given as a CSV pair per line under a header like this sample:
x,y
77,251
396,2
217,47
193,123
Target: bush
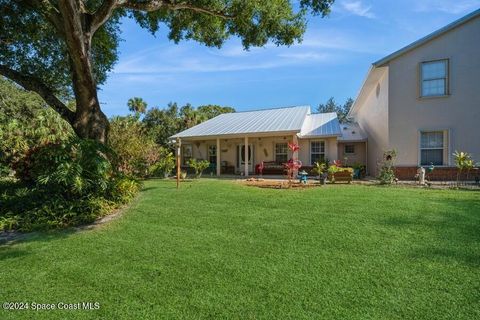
x,y
75,168
387,172
165,164
199,166
63,185
135,150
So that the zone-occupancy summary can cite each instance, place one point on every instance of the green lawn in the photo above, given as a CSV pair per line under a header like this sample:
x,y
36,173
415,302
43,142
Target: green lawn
x,y
217,249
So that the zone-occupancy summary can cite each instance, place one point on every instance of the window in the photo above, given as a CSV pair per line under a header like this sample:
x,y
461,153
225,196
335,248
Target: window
x,y
281,153
212,154
317,151
432,146
349,149
187,153
434,75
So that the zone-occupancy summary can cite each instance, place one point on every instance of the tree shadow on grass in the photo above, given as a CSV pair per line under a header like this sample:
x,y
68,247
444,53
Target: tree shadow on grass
x,y
454,230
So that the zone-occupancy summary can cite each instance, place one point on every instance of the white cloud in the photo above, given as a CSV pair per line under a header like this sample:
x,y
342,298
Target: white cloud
x,y
447,6
358,8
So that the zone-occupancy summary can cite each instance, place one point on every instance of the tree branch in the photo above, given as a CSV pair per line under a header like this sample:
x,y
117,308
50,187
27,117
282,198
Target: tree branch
x,y
36,85
48,10
103,13
158,4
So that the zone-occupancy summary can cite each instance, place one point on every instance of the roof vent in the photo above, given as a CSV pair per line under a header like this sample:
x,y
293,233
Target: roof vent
x,y
353,132
345,128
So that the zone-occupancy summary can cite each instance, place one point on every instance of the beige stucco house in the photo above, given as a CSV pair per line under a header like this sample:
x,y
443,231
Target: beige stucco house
x,y
266,133
424,100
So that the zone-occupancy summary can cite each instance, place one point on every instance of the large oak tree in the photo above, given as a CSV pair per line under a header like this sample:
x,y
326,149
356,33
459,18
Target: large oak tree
x,y
65,48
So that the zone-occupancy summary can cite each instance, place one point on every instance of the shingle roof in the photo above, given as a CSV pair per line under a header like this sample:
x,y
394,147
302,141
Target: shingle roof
x,y
248,122
321,125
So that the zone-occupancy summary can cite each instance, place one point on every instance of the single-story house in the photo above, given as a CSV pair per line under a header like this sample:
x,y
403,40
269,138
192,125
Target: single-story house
x,y
263,136
422,101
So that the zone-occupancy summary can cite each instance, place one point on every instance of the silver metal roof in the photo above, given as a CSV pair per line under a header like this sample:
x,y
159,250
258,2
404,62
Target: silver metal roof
x,y
248,122
429,37
352,132
320,125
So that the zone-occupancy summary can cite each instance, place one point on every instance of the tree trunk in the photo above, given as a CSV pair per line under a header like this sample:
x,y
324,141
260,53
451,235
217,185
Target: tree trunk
x,y
89,121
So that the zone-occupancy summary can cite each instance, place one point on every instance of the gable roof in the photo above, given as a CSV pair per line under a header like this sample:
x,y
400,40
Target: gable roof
x,y
288,119
427,38
321,125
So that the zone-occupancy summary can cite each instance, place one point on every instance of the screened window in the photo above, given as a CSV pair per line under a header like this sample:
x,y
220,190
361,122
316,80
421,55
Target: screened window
x,y
434,78
212,154
187,153
432,146
317,151
349,149
281,152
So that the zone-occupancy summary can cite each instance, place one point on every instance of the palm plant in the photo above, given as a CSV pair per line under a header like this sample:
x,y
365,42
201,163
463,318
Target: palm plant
x,y
463,161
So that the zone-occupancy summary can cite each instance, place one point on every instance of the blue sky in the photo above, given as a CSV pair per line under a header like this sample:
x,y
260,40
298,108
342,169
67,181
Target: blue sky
x,y
332,60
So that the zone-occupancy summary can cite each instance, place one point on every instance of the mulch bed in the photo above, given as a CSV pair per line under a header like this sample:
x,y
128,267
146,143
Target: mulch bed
x,y
278,184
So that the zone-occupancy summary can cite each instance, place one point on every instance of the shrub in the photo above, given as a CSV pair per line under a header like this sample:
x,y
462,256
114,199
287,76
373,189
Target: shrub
x,y
387,172
463,161
135,151
199,166
75,168
165,164
63,185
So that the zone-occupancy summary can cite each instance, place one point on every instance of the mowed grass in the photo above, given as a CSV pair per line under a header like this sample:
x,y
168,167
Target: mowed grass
x,y
218,249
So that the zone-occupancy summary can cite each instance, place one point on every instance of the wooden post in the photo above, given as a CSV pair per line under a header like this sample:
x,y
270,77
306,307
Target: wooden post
x,y
179,146
219,165
295,155
246,156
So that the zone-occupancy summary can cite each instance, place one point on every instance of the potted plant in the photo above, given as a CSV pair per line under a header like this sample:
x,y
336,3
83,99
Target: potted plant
x,y
320,168
331,172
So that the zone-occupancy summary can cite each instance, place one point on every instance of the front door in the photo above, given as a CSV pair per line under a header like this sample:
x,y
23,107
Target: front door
x,y
241,157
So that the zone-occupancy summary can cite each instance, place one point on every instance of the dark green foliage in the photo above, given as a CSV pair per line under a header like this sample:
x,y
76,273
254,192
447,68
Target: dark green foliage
x,y
74,169
164,123
341,110
61,185
26,121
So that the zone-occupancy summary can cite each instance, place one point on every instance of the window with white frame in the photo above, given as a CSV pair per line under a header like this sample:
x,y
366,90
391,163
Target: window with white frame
x,y
349,149
281,152
317,151
432,148
212,154
434,78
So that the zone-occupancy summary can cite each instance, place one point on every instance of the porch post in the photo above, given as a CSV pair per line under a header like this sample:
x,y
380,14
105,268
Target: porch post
x,y
179,144
246,156
295,154
218,158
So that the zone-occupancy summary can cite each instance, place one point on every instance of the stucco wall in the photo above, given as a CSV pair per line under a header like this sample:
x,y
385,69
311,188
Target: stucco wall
x,y
459,113
357,158
372,116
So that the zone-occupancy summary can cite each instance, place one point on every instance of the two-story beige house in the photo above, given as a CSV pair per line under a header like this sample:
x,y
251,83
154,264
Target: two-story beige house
x,y
424,100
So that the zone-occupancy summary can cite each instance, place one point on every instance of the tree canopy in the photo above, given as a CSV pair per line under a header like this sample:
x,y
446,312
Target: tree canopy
x,y
66,48
332,106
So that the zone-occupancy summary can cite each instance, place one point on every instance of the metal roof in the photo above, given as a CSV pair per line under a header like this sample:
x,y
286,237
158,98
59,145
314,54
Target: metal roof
x,y
352,132
320,125
248,122
429,37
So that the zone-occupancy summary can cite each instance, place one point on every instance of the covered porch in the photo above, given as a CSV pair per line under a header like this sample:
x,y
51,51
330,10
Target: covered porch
x,y
238,155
